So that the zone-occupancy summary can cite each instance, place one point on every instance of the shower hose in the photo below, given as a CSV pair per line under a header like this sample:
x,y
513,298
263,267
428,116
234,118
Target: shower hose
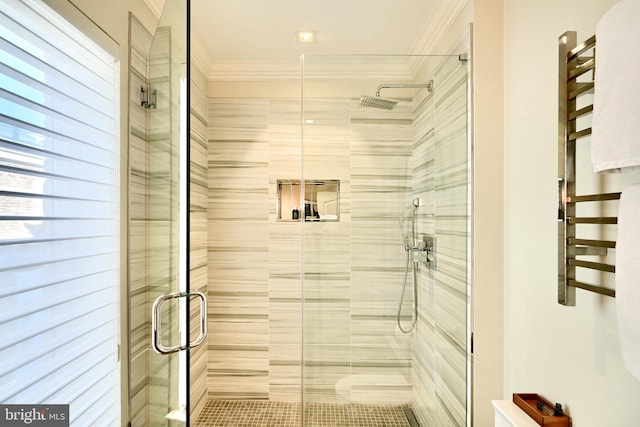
x,y
409,247
414,318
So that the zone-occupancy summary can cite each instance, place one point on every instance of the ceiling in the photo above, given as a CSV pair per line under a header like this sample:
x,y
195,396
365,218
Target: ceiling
x,y
235,35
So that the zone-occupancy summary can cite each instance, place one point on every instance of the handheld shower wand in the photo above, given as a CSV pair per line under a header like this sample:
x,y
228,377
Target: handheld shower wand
x,y
409,247
412,247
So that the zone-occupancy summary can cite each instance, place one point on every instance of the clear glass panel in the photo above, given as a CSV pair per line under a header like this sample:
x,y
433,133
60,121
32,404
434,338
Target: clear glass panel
x,y
159,217
402,240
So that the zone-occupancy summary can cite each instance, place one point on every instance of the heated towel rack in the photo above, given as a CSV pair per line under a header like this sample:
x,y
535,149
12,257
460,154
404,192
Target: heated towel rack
x,y
577,66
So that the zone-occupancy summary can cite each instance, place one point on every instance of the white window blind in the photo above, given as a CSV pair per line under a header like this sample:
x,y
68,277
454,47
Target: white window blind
x,y
59,236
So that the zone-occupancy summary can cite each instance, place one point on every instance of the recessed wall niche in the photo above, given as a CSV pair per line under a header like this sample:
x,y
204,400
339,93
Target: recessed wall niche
x,y
321,200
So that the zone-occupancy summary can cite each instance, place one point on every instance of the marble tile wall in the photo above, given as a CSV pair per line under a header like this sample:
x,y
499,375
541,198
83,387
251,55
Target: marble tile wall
x,y
162,208
440,342
238,256
353,270
326,263
284,256
381,146
198,233
140,325
150,222
153,244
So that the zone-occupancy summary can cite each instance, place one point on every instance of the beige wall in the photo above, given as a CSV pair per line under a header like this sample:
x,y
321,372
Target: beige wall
x,y
568,354
524,340
488,207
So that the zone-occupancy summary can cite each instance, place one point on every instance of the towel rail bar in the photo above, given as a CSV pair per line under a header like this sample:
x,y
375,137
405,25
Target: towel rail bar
x,y
579,134
581,112
582,47
602,220
593,288
575,84
593,265
580,89
591,251
595,243
583,67
583,59
596,197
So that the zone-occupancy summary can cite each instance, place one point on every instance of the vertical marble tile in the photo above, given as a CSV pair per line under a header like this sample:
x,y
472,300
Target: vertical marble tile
x,y
285,142
285,310
381,144
139,338
238,359
199,233
238,258
153,245
441,177
354,269
326,140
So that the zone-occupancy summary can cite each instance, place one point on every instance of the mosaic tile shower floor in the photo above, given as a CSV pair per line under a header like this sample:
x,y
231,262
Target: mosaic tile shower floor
x,y
258,413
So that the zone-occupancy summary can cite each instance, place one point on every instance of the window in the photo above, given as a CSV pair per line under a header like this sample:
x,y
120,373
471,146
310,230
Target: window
x,y
59,216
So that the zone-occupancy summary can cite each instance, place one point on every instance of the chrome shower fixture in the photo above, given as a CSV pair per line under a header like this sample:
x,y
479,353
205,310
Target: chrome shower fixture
x,y
378,102
390,103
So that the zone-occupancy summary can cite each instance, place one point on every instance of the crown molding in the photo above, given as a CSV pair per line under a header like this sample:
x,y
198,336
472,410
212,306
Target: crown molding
x,y
156,6
433,32
199,54
437,26
231,71
334,67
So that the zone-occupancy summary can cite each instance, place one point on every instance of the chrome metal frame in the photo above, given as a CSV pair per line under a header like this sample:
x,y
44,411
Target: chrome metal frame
x,y
573,64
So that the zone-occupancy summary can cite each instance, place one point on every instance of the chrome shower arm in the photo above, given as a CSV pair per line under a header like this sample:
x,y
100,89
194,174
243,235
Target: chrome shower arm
x,y
428,86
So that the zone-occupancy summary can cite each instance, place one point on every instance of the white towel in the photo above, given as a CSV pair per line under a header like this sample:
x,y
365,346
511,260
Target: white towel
x,y
615,140
627,280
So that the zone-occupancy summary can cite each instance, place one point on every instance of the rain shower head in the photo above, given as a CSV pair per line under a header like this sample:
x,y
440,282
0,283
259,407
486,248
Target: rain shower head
x,y
389,103
378,102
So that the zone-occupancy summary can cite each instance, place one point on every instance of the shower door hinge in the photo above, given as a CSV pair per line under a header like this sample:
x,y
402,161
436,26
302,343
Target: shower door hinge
x,y
471,342
463,57
148,97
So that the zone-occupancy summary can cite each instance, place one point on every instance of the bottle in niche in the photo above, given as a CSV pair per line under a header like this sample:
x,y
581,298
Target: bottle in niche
x,y
295,213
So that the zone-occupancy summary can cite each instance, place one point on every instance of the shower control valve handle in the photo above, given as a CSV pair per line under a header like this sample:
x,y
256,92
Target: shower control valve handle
x,y
428,246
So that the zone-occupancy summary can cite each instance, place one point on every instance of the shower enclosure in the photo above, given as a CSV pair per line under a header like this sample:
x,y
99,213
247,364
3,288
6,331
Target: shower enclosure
x,y
304,210
391,163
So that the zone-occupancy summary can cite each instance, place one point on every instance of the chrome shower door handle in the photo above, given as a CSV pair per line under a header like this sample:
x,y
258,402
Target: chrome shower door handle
x,y
203,318
156,315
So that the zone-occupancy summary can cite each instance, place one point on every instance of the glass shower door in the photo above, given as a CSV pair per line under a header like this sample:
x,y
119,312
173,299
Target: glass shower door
x,y
168,318
167,272
393,130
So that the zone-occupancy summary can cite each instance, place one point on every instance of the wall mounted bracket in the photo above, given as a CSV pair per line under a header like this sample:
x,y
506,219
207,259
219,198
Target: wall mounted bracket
x,y
148,97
